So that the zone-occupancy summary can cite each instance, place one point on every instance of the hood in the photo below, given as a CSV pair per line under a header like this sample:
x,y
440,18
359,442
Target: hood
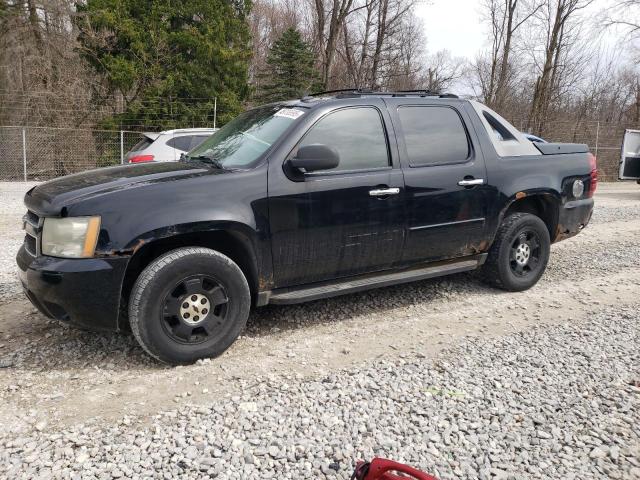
x,y
51,197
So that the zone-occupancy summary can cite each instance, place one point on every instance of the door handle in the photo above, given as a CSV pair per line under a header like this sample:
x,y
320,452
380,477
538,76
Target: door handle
x,y
471,182
383,192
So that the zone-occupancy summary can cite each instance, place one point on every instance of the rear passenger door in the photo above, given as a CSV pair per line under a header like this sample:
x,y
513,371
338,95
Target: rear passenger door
x,y
446,186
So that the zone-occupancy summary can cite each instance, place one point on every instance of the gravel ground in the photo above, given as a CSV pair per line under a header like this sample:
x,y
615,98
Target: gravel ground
x,y
560,402
11,210
447,374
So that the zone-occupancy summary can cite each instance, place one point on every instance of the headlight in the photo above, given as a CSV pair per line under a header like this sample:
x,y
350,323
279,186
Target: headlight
x,y
72,237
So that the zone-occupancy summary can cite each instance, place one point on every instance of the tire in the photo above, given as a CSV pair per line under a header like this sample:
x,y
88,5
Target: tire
x,y
168,305
510,264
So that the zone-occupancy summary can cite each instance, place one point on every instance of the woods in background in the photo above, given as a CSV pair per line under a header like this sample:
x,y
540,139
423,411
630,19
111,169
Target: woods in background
x,y
157,64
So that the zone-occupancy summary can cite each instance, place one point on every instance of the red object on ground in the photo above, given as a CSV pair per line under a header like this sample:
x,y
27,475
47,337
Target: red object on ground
x,y
383,469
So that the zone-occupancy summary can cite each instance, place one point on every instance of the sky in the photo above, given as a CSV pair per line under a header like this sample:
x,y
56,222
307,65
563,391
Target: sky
x,y
455,25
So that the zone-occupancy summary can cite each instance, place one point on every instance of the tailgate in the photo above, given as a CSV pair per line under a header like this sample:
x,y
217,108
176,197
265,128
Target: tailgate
x,y
559,148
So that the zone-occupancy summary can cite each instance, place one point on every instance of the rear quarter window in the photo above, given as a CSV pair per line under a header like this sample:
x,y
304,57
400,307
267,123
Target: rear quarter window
x,y
433,135
181,143
197,140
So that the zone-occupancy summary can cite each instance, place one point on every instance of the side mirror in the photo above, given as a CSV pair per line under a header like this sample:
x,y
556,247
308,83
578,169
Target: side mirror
x,y
315,157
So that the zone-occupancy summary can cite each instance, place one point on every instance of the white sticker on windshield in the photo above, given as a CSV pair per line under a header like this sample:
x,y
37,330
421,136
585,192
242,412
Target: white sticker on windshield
x,y
291,113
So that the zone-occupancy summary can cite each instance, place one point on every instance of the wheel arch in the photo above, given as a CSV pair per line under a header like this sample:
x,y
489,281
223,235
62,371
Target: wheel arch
x,y
541,203
230,240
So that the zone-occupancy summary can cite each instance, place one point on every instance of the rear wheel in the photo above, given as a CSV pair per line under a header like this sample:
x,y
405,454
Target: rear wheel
x,y
519,254
188,304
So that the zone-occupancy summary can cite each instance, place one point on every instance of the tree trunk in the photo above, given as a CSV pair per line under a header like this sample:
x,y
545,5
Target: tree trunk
x,y
541,93
383,8
506,50
34,21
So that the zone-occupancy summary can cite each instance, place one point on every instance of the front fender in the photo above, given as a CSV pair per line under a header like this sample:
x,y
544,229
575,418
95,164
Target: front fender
x,y
244,233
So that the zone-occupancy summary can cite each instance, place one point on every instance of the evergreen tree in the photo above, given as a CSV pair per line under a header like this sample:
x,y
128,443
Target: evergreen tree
x,y
168,58
290,71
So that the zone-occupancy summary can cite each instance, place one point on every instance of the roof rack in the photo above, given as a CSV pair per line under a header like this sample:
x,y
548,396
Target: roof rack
x,y
341,90
351,92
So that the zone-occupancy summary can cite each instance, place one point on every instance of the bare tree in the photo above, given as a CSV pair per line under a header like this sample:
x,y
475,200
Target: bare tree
x,y
330,18
558,20
374,47
505,18
391,13
625,13
42,78
443,70
404,57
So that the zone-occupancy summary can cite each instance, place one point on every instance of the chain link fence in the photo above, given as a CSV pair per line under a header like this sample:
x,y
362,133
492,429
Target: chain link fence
x,y
43,153
604,140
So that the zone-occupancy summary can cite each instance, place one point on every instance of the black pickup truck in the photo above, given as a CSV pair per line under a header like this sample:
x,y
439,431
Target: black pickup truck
x,y
297,201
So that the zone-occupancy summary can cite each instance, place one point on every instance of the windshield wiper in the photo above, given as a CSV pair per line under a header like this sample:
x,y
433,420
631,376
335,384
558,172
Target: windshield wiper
x,y
203,159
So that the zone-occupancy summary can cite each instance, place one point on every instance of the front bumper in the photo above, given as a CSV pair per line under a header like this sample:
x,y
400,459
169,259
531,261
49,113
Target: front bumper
x,y
83,292
573,217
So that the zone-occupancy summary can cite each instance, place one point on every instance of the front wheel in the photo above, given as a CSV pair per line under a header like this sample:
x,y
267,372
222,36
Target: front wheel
x,y
519,254
188,304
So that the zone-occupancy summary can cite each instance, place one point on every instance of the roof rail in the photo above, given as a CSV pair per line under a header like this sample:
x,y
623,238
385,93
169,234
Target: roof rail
x,y
427,93
341,90
366,91
420,90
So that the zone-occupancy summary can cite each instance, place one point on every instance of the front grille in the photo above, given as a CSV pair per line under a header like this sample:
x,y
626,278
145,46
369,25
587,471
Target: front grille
x,y
30,245
32,228
32,218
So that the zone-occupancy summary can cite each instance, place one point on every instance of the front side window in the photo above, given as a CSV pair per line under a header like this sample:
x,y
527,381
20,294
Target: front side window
x,y
357,134
242,141
433,135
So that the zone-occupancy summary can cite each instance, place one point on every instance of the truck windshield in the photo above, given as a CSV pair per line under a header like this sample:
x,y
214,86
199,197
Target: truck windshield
x,y
243,140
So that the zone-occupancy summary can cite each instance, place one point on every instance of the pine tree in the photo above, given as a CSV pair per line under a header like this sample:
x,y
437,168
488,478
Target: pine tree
x,y
290,71
168,59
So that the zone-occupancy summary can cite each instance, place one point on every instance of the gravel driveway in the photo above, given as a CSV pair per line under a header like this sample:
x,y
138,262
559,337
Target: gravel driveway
x,y
448,375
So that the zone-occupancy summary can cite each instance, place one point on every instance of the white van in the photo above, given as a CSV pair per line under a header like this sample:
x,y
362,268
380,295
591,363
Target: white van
x,y
630,158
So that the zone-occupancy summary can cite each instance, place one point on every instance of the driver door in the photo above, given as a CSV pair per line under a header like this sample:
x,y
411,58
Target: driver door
x,y
340,222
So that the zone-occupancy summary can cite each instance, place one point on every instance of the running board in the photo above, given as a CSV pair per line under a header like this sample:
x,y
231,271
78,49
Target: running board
x,y
285,296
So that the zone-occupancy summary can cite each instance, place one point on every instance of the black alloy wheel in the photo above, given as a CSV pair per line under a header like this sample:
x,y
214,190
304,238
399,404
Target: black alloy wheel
x,y
189,303
519,254
525,253
195,309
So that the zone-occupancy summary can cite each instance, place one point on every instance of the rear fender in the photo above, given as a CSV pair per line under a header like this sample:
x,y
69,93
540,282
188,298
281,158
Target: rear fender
x,y
544,203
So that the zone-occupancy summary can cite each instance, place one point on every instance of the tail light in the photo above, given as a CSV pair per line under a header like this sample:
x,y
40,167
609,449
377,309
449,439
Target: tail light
x,y
594,175
141,159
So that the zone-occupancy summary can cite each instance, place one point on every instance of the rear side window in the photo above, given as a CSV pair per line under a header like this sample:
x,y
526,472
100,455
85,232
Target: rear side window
x,y
197,140
356,133
433,135
181,143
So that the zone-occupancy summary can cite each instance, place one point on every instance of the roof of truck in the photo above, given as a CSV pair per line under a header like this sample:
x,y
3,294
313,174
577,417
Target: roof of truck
x,y
345,93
